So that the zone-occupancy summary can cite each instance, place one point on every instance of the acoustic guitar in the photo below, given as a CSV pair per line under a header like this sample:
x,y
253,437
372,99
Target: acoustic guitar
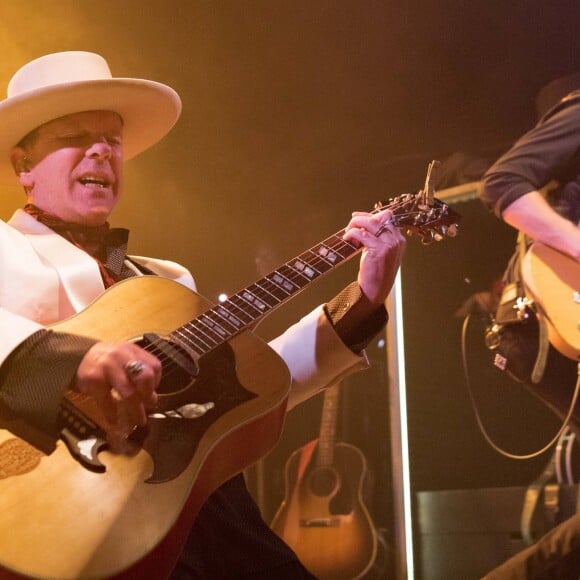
x,y
552,281
323,517
86,512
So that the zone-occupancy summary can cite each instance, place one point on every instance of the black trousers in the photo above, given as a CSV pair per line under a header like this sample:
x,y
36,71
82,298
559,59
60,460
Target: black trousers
x,y
231,541
555,556
519,345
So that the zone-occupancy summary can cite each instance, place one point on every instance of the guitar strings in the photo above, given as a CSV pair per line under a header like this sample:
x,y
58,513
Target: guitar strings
x,y
170,367
334,243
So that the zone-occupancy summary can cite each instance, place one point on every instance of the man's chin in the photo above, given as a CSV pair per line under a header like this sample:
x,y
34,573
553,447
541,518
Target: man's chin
x,y
94,218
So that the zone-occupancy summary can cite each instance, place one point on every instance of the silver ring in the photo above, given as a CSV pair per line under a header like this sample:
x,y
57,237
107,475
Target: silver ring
x,y
133,368
384,227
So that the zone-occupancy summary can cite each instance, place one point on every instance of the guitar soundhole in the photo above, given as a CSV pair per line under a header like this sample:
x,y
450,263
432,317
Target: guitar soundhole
x,y
324,481
179,370
175,377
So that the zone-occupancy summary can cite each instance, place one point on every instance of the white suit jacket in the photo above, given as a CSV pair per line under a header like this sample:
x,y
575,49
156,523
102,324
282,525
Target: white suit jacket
x,y
44,279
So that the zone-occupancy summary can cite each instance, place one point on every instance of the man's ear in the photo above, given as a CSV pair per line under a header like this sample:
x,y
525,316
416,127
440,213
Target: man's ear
x,y
22,165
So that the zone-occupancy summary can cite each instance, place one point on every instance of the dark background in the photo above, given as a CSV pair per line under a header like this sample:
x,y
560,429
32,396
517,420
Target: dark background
x,y
297,113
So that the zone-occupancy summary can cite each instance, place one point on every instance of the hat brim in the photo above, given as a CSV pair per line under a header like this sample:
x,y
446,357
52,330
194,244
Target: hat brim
x,y
148,109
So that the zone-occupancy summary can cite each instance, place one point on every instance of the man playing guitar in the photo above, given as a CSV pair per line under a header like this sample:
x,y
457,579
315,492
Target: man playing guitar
x,y
526,337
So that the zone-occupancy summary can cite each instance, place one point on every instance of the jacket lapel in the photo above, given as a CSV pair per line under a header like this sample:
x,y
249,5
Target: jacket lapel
x,y
77,271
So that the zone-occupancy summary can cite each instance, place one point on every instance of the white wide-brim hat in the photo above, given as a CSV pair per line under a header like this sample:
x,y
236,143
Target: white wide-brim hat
x,y
64,83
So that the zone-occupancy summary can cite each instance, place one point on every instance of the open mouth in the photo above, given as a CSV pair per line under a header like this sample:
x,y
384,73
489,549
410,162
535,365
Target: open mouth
x,y
95,181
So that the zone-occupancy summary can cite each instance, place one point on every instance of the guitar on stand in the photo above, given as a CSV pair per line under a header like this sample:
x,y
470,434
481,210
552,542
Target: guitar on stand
x,y
323,517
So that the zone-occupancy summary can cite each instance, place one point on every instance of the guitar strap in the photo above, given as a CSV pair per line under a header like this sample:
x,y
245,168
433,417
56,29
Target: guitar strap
x,y
137,267
515,307
543,343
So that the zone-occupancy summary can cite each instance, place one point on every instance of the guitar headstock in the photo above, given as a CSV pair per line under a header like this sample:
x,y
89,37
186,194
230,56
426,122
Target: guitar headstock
x,y
421,214
431,222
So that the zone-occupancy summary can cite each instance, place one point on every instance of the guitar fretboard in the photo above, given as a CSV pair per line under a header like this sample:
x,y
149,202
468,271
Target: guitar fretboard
x,y
325,456
242,310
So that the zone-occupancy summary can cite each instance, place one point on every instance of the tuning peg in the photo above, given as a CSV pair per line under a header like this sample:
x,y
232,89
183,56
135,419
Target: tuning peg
x,y
452,230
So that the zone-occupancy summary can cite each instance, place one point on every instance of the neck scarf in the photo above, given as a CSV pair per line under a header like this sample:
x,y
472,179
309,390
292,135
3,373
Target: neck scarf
x,y
97,241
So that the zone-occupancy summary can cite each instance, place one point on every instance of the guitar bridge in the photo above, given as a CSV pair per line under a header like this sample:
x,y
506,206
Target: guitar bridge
x,y
85,451
83,437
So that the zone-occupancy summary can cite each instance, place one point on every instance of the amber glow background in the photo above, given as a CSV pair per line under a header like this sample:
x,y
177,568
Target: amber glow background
x,y
297,113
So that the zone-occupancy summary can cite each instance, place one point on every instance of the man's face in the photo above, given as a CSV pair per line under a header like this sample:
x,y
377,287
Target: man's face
x,y
74,166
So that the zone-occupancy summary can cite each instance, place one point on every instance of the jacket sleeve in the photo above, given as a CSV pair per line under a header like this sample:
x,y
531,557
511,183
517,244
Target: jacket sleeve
x,y
34,377
317,355
14,329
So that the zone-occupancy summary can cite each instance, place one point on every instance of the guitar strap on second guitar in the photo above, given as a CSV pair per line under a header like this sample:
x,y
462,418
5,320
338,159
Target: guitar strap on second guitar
x,y
516,308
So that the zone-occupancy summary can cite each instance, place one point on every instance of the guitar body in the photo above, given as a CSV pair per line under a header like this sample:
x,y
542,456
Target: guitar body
x,y
60,520
323,517
552,279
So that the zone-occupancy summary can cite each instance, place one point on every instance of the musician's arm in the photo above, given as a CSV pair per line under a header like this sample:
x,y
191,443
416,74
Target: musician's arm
x,y
533,215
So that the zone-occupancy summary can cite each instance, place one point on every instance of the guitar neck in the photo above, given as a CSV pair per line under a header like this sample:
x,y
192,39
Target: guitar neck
x,y
327,438
242,310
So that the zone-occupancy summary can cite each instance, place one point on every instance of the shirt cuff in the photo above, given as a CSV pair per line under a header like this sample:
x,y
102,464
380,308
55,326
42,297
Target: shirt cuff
x,y
33,380
356,333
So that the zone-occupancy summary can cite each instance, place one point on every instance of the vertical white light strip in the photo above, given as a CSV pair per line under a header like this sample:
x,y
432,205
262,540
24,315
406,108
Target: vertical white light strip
x,y
399,435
